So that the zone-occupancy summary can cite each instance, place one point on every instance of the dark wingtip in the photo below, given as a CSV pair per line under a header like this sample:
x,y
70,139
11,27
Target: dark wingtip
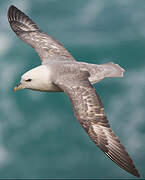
x,y
11,8
19,20
137,174
10,11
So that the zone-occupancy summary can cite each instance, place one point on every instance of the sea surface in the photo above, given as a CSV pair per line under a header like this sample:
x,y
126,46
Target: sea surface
x,y
39,135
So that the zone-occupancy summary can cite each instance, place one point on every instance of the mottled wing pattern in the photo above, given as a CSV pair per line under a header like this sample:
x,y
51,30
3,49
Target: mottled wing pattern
x,y
89,111
47,47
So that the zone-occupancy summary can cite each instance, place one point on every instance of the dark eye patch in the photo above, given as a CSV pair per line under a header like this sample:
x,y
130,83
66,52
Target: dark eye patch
x,y
28,80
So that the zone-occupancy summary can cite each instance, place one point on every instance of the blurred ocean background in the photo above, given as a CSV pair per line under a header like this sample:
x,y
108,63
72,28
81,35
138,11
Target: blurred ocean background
x,y
39,136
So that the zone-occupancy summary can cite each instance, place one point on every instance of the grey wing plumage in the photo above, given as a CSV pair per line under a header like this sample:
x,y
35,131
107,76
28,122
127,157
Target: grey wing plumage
x,y
89,111
47,47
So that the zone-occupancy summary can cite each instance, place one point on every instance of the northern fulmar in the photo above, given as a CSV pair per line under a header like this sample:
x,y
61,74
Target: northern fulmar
x,y
60,72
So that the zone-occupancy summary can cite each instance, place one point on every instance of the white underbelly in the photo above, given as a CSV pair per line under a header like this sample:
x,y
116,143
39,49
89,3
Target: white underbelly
x,y
50,87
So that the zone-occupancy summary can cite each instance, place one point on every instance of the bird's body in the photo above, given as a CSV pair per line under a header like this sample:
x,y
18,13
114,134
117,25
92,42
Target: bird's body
x,y
50,72
60,72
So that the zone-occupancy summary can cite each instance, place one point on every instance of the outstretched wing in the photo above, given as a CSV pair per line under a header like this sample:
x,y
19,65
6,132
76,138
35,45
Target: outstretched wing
x,y
47,47
89,111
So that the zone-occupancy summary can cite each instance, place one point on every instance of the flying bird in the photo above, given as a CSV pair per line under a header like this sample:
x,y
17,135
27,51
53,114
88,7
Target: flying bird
x,y
60,72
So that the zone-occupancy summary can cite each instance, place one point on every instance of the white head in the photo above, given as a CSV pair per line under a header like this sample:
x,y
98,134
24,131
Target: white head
x,y
35,79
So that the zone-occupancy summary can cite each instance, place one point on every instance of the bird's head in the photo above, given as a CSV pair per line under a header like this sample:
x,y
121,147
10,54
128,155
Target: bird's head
x,y
35,79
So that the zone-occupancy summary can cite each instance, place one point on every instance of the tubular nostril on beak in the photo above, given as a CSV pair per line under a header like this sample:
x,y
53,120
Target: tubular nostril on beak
x,y
19,86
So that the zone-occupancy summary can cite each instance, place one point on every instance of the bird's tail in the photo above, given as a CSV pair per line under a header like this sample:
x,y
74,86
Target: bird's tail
x,y
112,70
102,71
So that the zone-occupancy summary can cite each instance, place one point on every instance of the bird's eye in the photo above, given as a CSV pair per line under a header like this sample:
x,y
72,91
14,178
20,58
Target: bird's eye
x,y
28,80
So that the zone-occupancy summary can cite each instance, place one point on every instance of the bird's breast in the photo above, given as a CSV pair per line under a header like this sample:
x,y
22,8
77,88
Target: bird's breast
x,y
51,87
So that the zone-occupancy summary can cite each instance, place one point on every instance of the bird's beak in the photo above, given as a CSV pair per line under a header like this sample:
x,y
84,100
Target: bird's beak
x,y
19,86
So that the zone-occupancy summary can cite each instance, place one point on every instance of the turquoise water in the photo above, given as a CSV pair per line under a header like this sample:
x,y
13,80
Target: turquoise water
x,y
39,136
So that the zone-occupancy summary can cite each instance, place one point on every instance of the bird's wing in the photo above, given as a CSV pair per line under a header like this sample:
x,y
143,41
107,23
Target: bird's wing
x,y
89,111
47,47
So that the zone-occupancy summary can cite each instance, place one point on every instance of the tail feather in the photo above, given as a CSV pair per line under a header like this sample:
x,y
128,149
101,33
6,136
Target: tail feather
x,y
112,70
99,72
